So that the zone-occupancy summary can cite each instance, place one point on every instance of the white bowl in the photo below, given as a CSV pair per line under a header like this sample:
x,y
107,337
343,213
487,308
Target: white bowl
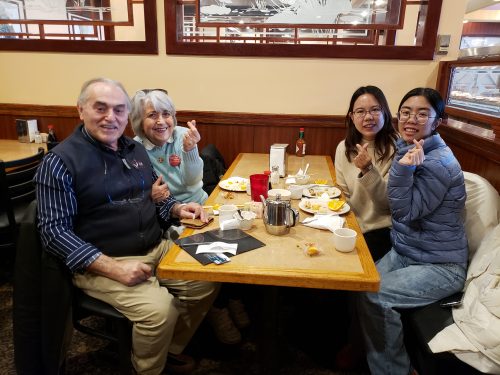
x,y
246,219
302,179
284,194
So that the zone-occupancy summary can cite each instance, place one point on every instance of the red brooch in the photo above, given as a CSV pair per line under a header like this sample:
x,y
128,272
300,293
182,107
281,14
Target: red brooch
x,y
174,160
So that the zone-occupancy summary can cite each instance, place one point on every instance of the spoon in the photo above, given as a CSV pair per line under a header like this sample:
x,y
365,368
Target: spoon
x,y
305,170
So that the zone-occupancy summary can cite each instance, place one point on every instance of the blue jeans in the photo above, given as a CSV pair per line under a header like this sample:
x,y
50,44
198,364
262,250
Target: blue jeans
x,y
404,283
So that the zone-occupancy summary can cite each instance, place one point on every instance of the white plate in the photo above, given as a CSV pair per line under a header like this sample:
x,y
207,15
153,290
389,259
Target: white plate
x,y
303,206
234,184
316,191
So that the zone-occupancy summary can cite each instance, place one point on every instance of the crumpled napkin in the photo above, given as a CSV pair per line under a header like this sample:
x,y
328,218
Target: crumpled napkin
x,y
328,222
229,224
218,247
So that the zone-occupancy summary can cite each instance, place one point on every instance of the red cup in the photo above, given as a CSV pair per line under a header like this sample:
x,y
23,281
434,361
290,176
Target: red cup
x,y
259,184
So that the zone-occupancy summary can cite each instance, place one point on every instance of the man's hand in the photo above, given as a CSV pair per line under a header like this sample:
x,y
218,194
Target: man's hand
x,y
363,160
192,136
414,156
159,190
127,272
190,210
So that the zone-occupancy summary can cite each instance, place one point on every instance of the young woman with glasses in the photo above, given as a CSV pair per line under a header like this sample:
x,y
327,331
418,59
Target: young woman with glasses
x,y
428,259
362,162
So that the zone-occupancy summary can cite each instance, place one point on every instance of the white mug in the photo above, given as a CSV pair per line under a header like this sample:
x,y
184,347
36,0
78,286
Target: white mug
x,y
296,191
226,212
344,239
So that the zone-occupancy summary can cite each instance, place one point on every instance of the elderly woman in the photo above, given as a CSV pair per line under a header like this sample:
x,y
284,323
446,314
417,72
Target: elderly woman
x,y
174,155
172,150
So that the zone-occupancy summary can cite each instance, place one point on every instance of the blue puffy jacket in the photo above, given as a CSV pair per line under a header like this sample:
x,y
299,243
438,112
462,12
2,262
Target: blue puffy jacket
x,y
426,205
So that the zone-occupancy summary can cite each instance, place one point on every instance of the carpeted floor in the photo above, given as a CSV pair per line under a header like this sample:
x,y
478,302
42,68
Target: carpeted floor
x,y
308,335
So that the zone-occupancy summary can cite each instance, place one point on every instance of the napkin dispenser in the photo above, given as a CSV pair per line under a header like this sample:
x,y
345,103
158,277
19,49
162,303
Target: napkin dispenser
x,y
279,157
26,130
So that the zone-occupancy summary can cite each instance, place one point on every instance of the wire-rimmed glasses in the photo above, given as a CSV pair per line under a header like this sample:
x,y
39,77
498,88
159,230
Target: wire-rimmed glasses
x,y
133,195
421,117
361,113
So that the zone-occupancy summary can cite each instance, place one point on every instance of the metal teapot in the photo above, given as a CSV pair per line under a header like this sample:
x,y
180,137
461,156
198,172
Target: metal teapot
x,y
279,216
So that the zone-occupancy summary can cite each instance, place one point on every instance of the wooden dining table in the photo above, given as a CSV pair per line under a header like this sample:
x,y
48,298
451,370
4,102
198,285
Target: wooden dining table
x,y
12,149
282,261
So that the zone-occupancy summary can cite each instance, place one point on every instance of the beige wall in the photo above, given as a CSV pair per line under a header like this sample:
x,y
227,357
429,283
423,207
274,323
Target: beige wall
x,y
231,84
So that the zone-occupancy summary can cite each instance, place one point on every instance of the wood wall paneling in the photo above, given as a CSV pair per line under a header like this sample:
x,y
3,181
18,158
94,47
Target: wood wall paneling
x,y
481,29
233,133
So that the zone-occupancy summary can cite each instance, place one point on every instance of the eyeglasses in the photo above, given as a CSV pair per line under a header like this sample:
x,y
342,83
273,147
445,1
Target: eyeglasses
x,y
155,116
134,195
420,117
147,91
361,113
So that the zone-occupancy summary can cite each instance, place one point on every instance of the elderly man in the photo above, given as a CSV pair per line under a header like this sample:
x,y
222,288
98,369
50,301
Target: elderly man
x,y
95,213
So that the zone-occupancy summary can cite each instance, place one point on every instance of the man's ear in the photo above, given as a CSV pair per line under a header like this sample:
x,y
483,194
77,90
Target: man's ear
x,y
80,111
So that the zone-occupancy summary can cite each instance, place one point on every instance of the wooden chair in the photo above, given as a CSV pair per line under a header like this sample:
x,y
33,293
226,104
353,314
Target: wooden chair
x,y
16,192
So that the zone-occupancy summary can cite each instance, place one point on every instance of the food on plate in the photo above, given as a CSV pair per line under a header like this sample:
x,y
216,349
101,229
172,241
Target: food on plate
x,y
315,206
321,191
336,204
234,184
322,210
241,185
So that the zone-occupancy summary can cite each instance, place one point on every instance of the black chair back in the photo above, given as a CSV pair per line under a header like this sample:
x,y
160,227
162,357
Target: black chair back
x,y
17,190
41,304
213,167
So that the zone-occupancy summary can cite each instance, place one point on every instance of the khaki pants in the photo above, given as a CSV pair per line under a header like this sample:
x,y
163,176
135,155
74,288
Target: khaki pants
x,y
165,313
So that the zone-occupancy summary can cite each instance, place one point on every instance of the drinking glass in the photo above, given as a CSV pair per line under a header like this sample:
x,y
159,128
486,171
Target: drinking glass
x,y
259,185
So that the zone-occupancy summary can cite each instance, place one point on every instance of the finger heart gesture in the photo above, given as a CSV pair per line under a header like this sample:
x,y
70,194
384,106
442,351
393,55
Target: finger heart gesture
x,y
414,156
363,159
192,136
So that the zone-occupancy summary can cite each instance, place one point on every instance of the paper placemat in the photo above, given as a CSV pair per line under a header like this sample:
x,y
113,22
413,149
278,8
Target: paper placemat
x,y
245,242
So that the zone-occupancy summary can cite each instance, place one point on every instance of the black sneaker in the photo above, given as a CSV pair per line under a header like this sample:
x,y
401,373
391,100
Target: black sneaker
x,y
179,364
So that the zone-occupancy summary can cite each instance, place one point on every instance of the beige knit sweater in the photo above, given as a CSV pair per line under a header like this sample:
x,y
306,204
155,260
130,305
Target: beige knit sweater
x,y
367,195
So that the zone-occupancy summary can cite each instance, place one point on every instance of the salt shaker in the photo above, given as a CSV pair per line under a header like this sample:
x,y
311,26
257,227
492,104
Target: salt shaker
x,y
275,177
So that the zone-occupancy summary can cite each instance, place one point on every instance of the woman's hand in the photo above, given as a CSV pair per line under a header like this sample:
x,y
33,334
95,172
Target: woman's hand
x,y
159,191
192,136
363,160
414,156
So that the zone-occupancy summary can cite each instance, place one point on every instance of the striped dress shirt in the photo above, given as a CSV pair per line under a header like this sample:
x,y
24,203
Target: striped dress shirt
x,y
57,208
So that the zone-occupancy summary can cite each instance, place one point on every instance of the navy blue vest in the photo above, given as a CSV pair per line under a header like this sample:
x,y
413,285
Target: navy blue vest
x,y
113,192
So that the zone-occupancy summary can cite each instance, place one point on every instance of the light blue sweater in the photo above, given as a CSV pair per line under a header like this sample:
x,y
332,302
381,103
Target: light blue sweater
x,y
185,181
